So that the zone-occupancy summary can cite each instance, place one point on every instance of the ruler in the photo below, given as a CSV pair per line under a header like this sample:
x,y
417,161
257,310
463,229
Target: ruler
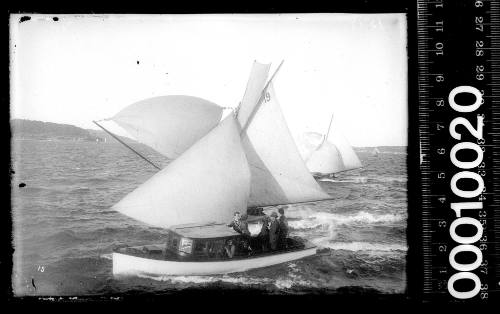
x,y
458,56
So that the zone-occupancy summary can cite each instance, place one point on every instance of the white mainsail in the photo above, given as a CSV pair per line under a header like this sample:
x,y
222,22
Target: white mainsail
x,y
250,162
207,183
279,175
255,85
328,155
169,124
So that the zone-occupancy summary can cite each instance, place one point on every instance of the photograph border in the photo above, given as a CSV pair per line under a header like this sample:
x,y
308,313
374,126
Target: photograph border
x,y
413,259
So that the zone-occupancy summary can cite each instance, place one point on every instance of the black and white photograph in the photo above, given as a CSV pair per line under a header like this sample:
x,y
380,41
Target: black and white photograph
x,y
155,154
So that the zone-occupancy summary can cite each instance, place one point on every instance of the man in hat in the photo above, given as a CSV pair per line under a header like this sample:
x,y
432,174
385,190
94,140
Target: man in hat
x,y
244,225
264,234
283,223
274,230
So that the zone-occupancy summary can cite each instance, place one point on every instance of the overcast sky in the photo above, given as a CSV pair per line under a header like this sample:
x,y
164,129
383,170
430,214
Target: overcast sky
x,y
84,68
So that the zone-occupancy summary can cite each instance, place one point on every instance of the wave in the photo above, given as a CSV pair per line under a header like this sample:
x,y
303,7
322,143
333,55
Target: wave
x,y
108,256
290,280
64,237
242,280
318,219
346,180
81,189
359,246
31,189
387,179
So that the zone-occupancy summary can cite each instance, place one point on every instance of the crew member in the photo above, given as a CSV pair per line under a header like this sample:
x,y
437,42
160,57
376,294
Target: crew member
x,y
264,234
230,248
283,224
274,230
236,223
245,233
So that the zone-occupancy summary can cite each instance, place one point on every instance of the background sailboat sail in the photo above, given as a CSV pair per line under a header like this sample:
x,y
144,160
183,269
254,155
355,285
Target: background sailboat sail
x,y
278,173
207,183
349,157
328,155
326,159
169,124
255,85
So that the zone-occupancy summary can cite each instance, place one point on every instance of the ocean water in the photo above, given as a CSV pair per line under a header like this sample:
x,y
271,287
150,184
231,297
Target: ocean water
x,y
64,230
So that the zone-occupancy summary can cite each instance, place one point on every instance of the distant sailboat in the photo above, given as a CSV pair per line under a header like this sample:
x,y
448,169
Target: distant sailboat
x,y
327,154
375,152
249,159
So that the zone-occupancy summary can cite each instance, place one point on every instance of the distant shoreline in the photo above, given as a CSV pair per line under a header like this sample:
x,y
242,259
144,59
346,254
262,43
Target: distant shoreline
x,y
39,130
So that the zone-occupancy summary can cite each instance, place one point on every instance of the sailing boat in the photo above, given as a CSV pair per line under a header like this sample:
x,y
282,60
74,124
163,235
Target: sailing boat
x,y
327,154
247,160
375,152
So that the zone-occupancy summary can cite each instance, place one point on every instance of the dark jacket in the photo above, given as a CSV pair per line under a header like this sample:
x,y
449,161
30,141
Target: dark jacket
x,y
283,223
264,231
274,230
244,228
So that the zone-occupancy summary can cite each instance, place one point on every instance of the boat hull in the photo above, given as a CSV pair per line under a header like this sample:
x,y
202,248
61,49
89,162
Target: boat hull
x,y
129,265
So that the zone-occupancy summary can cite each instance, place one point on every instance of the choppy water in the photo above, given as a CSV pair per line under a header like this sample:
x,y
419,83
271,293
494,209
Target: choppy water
x,y
64,231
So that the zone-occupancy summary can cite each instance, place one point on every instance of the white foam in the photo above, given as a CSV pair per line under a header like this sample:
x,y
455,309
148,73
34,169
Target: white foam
x,y
389,179
324,219
283,282
358,246
346,180
242,280
107,256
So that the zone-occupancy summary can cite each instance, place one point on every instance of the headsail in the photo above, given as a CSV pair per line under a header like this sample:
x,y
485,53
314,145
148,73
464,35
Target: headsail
x,y
256,83
207,183
322,158
169,124
279,175
349,156
326,154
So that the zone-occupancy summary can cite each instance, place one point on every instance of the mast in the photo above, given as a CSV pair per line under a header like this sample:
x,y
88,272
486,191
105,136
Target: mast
x,y
327,132
119,140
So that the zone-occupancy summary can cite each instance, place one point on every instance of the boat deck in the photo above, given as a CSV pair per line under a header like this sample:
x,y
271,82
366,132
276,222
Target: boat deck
x,y
211,230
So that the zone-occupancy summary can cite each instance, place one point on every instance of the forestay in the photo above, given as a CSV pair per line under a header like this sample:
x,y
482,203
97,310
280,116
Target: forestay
x,y
207,183
279,175
169,124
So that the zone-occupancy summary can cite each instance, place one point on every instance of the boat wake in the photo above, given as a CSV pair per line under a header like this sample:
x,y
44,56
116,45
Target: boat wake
x,y
238,280
358,246
290,279
349,180
319,219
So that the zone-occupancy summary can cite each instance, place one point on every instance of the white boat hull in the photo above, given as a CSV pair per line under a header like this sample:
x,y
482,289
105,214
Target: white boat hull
x,y
128,265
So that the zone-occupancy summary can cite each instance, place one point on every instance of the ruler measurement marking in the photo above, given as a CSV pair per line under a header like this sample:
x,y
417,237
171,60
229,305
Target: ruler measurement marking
x,y
429,67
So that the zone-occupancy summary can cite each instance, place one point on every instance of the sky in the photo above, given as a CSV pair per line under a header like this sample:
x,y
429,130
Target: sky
x,y
89,67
